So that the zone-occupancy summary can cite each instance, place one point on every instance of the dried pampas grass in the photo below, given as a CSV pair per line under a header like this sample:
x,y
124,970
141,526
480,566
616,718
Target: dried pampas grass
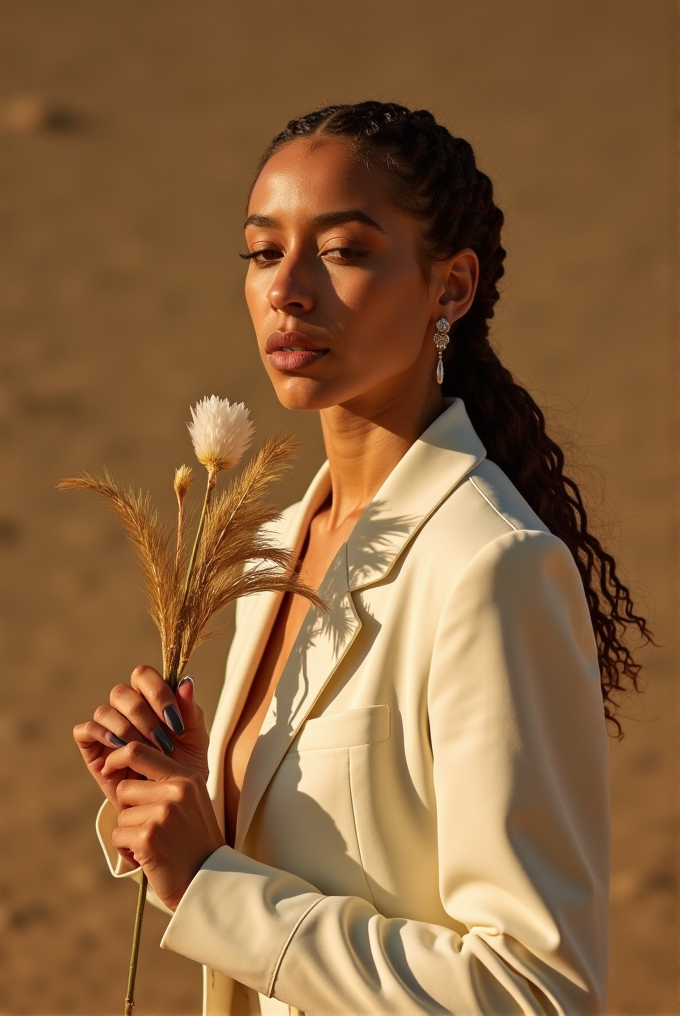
x,y
233,557
150,537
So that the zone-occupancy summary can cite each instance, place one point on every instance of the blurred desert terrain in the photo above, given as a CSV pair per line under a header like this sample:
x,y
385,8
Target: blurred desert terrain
x,y
130,132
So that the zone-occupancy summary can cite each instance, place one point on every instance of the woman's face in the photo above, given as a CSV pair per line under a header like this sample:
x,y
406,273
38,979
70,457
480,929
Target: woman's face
x,y
339,300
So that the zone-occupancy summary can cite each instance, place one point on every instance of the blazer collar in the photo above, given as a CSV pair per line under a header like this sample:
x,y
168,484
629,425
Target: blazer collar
x,y
432,467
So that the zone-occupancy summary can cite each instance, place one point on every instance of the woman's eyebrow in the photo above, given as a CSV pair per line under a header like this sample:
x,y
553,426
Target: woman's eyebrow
x,y
261,220
325,220
339,218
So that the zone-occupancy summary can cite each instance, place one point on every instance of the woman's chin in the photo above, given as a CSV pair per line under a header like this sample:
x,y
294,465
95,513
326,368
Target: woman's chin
x,y
305,394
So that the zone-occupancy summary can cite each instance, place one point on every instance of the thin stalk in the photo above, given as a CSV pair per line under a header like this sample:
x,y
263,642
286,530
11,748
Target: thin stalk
x,y
180,531
141,900
172,675
172,681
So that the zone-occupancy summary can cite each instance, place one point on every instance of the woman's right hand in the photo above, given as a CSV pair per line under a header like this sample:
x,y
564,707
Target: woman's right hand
x,y
145,710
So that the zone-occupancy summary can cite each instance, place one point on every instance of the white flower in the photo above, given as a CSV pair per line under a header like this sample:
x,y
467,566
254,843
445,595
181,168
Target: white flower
x,y
220,433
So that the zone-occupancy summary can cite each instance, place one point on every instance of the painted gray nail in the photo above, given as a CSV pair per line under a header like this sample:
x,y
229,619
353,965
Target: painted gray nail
x,y
118,741
163,740
173,720
186,677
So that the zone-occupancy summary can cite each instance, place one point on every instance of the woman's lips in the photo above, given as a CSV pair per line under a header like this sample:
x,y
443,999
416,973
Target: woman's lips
x,y
295,359
289,351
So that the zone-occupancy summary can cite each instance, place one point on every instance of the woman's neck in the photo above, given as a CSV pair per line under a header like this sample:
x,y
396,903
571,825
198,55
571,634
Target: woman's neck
x,y
365,439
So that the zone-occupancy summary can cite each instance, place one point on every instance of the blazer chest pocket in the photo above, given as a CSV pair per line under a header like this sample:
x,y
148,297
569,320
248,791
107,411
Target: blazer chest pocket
x,y
306,823
347,729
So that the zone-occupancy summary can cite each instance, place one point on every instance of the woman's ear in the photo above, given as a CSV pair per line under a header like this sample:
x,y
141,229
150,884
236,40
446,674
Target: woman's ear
x,y
458,278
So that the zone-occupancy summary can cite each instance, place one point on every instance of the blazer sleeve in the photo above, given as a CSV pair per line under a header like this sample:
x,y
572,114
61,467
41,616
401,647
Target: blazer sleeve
x,y
519,767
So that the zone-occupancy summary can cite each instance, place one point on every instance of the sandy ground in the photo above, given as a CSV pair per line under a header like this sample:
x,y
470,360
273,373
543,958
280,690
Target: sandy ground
x,y
122,202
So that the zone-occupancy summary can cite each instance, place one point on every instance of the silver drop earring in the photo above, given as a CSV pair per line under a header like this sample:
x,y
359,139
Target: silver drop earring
x,y
441,341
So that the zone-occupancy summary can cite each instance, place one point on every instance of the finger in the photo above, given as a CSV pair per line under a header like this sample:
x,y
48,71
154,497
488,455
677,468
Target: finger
x,y
91,739
133,794
85,736
192,714
93,744
146,761
137,711
157,692
130,841
126,854
119,726
141,814
91,736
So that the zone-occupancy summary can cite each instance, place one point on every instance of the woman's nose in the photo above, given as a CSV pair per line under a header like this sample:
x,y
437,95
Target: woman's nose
x,y
291,289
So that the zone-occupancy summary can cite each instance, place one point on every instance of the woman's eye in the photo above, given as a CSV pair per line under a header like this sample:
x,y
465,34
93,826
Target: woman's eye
x,y
266,256
344,255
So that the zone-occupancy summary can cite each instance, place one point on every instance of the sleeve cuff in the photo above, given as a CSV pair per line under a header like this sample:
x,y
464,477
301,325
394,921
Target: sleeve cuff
x,y
238,916
107,820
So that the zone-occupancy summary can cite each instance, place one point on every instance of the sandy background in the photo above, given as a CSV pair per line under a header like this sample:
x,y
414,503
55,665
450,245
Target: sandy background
x,y
122,204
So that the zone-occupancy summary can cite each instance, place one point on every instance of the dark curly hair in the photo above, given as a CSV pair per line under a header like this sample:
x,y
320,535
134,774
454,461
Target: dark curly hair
x,y
434,177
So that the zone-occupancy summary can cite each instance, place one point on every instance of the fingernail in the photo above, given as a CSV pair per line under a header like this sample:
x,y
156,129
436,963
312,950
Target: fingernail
x,y
114,739
186,678
173,719
163,740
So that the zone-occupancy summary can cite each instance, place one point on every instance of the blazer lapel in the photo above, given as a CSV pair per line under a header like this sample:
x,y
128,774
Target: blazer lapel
x,y
257,619
430,470
319,648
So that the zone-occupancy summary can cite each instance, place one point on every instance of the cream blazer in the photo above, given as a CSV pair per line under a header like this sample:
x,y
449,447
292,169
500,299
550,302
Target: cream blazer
x,y
424,820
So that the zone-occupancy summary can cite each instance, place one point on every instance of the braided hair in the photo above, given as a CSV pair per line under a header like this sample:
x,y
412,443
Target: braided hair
x,y
433,176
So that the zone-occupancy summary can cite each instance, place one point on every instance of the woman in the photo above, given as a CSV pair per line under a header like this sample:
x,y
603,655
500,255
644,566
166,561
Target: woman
x,y
406,810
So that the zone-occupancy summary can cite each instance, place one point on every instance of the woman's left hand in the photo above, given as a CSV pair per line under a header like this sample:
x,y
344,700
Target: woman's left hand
x,y
167,821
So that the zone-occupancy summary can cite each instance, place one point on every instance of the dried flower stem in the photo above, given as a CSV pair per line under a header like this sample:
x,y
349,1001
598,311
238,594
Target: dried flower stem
x,y
136,938
180,533
182,483
172,679
173,674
